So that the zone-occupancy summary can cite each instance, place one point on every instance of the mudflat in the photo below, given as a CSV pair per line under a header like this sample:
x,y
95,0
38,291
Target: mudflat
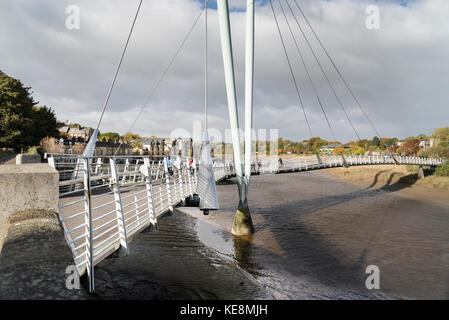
x,y
315,237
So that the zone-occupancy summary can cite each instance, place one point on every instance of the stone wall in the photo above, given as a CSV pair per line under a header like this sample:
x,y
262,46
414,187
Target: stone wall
x,y
27,187
34,254
28,158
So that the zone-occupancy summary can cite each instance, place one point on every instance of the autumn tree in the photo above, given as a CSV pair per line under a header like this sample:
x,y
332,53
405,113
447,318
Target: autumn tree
x,y
314,144
78,148
339,151
441,147
386,143
409,147
132,140
355,149
442,136
51,145
280,146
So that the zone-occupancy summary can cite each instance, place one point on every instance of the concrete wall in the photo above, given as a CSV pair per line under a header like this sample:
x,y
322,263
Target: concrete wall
x,y
28,158
27,187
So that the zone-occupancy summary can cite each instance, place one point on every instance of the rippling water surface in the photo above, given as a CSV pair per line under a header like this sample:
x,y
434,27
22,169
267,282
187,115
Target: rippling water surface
x,y
314,238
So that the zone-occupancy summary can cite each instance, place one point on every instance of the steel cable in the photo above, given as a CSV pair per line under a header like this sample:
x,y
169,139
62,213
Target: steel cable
x,y
291,70
308,74
324,73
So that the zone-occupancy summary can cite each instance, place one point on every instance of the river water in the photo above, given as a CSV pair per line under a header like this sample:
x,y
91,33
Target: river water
x,y
315,237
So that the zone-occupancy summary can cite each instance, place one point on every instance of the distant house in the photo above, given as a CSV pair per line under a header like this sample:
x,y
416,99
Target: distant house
x,y
152,146
328,149
426,143
109,148
423,143
64,129
179,146
165,146
373,153
76,133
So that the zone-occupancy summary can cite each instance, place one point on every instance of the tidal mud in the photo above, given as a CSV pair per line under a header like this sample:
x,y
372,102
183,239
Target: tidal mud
x,y
314,238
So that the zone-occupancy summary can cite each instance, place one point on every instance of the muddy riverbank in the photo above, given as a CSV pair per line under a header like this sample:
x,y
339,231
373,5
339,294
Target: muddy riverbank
x,y
315,236
172,263
397,179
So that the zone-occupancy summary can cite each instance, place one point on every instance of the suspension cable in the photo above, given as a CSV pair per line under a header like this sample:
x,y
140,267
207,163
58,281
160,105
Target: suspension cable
x,y
308,73
291,70
324,73
156,86
338,71
205,66
119,65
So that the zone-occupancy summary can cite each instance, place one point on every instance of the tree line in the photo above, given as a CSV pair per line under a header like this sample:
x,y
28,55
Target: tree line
x,y
22,122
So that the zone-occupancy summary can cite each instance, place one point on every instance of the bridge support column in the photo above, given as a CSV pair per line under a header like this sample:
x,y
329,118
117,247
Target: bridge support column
x,y
420,172
319,158
344,163
242,221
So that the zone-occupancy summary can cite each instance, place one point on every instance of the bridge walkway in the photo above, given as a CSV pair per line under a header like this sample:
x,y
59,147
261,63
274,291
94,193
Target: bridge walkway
x,y
106,201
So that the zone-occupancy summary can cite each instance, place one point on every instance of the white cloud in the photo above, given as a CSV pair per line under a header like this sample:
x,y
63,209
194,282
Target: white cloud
x,y
398,72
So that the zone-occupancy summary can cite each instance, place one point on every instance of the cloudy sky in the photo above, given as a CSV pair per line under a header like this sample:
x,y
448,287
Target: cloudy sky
x,y
399,72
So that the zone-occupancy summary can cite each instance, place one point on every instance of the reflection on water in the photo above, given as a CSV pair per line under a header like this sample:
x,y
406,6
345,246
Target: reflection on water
x,y
244,254
315,238
172,263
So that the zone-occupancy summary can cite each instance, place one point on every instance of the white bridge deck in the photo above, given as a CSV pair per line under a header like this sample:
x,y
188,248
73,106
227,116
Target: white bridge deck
x,y
105,201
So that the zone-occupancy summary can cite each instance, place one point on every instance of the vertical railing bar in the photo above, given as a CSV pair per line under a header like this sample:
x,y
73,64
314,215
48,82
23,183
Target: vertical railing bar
x,y
167,182
88,223
124,249
150,194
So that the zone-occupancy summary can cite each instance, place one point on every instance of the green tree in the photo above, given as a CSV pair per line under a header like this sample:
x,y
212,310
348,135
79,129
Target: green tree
x,y
442,136
355,149
441,147
421,136
131,138
375,142
45,124
109,136
280,146
314,144
16,113
443,169
386,143
23,124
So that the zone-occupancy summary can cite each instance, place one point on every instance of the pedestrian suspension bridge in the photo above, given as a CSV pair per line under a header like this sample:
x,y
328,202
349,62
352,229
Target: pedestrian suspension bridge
x,y
105,201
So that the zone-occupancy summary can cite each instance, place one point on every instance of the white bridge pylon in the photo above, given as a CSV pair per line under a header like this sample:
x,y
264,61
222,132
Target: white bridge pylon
x,y
243,224
207,190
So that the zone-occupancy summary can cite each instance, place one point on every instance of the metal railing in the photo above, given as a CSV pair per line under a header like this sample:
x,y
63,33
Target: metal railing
x,y
105,201
324,161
